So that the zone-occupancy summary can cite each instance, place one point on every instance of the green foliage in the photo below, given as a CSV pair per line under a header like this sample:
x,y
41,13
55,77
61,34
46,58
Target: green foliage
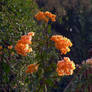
x,y
17,19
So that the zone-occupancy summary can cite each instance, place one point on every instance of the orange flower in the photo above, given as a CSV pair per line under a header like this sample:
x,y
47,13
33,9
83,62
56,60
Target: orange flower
x,y
22,49
10,47
65,67
25,39
32,68
50,15
1,47
31,34
62,43
22,46
45,16
65,50
40,16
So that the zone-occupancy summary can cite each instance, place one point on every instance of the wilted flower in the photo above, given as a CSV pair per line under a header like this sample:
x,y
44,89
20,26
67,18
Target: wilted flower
x,y
32,68
62,43
65,67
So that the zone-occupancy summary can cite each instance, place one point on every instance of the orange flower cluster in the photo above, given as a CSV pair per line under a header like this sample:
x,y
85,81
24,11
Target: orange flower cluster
x,y
65,67
62,43
32,68
45,16
22,46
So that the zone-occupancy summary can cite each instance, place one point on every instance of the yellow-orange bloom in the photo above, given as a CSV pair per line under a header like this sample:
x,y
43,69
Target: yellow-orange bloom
x,y
10,47
22,49
50,15
31,34
32,68
1,47
65,67
45,16
40,16
62,43
22,46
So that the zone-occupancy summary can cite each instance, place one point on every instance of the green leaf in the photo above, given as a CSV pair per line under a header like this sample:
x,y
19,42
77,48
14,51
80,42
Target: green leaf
x,y
26,80
49,82
6,67
60,20
49,29
5,77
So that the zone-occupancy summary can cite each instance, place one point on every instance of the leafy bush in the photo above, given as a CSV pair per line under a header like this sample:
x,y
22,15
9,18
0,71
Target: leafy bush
x,y
18,25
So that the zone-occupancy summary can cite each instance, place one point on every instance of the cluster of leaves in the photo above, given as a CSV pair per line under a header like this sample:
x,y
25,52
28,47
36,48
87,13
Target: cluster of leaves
x,y
17,18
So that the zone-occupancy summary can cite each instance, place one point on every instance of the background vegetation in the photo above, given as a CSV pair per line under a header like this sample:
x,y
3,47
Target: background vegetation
x,y
73,20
